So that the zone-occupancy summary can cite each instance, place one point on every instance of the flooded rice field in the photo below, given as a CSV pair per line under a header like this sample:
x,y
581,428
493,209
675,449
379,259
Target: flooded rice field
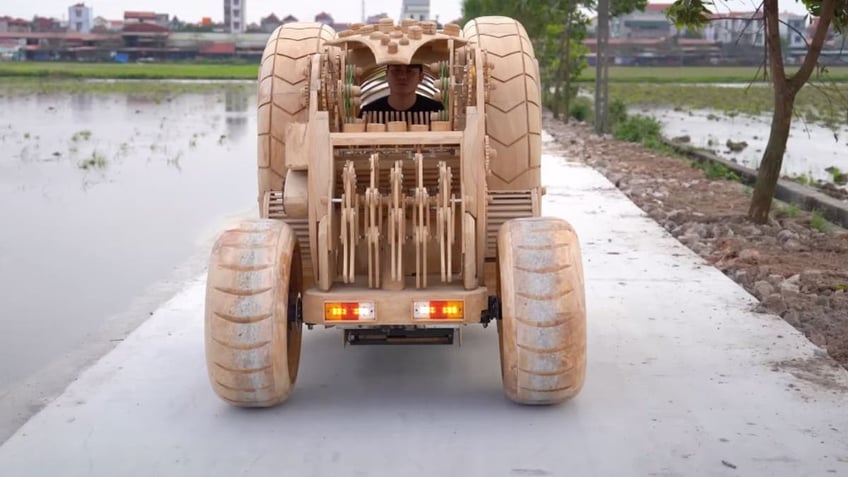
x,y
103,196
812,148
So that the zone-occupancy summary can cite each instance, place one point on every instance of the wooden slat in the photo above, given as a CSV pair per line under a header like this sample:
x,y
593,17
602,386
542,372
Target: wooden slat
x,y
396,138
503,207
300,227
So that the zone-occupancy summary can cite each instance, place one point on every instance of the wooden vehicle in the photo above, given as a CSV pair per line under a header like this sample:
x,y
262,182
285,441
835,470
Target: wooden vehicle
x,y
397,228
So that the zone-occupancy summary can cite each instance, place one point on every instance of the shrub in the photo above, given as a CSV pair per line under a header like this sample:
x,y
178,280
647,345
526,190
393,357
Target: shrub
x,y
641,129
580,110
617,112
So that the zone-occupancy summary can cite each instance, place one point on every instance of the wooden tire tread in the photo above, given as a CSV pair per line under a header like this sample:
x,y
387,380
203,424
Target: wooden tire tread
x,y
544,320
513,110
243,314
282,78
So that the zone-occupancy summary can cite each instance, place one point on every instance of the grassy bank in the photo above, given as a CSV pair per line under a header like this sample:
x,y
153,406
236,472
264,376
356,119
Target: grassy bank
x,y
129,70
696,74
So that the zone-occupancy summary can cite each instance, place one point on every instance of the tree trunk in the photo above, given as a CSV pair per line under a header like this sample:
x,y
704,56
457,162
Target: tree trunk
x,y
769,170
558,78
567,58
785,91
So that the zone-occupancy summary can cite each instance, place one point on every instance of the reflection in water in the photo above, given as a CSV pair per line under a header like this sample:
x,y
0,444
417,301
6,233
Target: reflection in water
x,y
236,126
142,99
105,194
237,101
82,102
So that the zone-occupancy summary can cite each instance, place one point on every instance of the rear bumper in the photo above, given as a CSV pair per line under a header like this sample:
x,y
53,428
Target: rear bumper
x,y
394,307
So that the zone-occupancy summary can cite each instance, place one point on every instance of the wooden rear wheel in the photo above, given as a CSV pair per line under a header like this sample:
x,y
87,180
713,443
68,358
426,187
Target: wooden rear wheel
x,y
252,342
542,329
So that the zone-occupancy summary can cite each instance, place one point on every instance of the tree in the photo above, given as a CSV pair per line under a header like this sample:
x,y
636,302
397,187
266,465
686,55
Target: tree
x,y
694,13
557,29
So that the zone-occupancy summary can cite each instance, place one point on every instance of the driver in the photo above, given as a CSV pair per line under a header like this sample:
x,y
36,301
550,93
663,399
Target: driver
x,y
403,82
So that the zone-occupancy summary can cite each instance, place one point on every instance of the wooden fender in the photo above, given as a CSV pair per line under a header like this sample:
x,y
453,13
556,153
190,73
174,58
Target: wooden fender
x,y
281,95
252,349
513,107
543,311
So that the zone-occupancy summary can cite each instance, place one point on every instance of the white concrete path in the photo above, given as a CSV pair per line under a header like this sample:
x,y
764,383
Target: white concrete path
x,y
683,379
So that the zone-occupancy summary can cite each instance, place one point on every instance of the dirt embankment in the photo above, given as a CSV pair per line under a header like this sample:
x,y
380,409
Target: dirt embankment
x,y
794,268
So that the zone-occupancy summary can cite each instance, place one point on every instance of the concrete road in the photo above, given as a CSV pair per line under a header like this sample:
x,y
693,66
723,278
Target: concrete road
x,y
683,379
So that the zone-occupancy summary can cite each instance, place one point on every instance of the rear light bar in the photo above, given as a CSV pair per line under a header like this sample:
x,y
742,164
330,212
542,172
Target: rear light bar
x,y
349,311
437,310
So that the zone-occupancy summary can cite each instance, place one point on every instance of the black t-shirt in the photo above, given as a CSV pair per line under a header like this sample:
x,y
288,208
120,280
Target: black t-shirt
x,y
422,104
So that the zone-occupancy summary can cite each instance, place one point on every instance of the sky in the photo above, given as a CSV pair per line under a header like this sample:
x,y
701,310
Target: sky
x,y
341,10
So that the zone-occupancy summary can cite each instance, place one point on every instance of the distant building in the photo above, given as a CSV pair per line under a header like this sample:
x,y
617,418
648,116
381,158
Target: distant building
x,y
145,39
289,19
44,24
415,9
80,18
650,24
102,25
738,28
234,16
160,19
10,49
793,27
14,25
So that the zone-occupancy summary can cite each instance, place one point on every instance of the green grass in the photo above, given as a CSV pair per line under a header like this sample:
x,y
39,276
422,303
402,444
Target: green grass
x,y
818,222
96,161
694,74
716,170
32,69
792,210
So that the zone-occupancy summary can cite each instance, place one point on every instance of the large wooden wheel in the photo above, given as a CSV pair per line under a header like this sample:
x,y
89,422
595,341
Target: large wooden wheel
x,y
543,311
513,108
252,342
282,79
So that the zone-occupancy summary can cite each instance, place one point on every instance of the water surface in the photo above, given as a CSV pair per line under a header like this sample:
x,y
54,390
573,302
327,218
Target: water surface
x,y
810,150
103,195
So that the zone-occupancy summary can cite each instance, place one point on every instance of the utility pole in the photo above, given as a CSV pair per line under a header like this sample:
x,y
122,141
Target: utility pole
x,y
363,11
602,70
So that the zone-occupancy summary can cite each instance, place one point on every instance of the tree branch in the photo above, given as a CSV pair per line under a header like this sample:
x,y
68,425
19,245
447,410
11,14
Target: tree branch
x,y
800,33
775,53
814,51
